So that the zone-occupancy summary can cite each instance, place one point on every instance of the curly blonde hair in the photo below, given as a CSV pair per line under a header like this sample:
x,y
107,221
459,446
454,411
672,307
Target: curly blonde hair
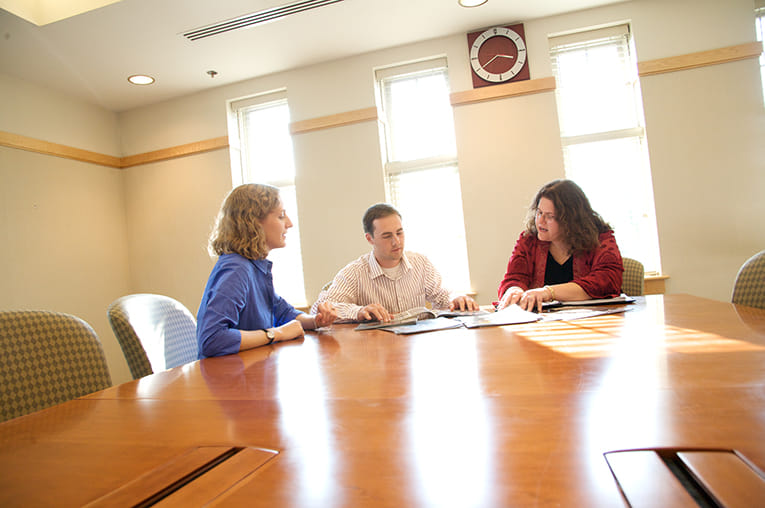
x,y
580,224
237,229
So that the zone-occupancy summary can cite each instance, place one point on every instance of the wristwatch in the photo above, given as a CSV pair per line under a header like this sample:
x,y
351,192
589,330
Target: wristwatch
x,y
270,335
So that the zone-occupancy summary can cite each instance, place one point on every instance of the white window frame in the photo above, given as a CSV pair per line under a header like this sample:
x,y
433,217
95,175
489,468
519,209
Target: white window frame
x,y
289,280
759,24
618,36
453,266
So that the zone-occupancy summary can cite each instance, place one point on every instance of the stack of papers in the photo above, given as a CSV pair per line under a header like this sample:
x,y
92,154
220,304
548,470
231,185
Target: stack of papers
x,y
588,303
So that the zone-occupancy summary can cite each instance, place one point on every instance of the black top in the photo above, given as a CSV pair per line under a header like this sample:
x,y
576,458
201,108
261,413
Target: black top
x,y
558,274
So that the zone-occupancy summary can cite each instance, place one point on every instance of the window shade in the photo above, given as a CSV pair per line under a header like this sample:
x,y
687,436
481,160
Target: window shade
x,y
596,81
589,36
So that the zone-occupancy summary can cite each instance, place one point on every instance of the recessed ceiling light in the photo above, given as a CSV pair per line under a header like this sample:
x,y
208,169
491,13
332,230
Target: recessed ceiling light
x,y
140,79
471,3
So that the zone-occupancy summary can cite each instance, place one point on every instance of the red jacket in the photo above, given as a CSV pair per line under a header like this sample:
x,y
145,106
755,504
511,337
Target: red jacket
x,y
598,272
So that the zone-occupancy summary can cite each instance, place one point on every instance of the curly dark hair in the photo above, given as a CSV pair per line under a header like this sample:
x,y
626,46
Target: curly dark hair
x,y
237,229
579,223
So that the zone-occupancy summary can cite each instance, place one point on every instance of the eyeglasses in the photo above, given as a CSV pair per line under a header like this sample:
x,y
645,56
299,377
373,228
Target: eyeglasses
x,y
548,217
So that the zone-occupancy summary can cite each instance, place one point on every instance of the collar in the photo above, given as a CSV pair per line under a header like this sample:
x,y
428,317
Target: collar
x,y
264,265
375,270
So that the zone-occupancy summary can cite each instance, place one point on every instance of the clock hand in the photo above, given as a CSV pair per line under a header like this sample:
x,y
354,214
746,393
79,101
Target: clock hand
x,y
495,57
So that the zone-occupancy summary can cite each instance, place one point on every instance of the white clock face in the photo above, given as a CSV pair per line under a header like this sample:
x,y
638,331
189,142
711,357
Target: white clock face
x,y
517,60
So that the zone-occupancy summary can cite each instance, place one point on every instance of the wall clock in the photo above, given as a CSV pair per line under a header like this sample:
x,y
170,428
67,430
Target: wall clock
x,y
498,55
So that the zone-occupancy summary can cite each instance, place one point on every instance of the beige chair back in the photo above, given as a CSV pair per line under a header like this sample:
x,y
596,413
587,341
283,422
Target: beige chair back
x,y
749,288
47,358
633,280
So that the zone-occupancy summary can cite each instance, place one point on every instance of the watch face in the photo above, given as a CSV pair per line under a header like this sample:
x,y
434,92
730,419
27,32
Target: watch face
x,y
498,55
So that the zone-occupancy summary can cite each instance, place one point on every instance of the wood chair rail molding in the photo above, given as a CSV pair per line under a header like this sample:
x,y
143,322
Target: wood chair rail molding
x,y
174,152
336,120
514,89
532,86
700,59
47,148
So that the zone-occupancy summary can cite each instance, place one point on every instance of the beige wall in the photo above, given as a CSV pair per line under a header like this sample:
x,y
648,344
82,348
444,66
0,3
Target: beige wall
x,y
145,228
63,243
64,248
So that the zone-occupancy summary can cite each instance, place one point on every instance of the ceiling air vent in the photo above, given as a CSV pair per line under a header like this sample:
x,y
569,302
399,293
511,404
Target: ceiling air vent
x,y
255,18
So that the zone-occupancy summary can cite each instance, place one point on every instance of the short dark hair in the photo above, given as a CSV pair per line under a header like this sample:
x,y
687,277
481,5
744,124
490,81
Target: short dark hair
x,y
377,211
580,224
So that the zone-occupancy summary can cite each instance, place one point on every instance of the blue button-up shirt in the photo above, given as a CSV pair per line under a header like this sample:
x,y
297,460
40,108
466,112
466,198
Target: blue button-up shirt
x,y
239,296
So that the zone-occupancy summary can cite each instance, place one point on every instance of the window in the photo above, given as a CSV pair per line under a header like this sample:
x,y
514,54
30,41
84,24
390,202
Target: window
x,y
759,13
420,164
603,136
262,153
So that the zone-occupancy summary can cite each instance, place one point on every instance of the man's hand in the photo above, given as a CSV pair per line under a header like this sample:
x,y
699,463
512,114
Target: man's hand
x,y
326,314
463,303
373,311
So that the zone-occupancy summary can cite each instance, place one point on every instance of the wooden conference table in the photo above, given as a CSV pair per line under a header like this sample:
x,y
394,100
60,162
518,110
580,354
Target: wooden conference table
x,y
522,415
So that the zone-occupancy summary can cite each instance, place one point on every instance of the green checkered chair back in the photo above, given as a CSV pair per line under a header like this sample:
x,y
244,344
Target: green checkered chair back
x,y
155,332
47,358
749,288
633,280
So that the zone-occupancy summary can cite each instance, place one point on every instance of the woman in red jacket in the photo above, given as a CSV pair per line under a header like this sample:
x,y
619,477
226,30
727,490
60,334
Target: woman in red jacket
x,y
567,252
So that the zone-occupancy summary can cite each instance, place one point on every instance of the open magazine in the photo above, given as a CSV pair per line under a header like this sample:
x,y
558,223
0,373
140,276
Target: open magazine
x,y
412,316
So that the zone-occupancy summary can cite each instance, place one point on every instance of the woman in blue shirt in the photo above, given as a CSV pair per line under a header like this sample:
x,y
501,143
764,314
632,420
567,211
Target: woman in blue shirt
x,y
239,308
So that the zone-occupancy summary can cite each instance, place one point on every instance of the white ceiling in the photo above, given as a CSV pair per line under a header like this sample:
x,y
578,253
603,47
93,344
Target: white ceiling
x,y
90,55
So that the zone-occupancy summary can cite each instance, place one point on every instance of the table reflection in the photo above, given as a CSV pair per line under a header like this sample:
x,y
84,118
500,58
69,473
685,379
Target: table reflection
x,y
304,421
449,429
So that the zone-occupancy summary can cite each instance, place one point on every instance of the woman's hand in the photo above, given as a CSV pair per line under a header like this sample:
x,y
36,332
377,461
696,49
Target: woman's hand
x,y
288,331
511,296
533,298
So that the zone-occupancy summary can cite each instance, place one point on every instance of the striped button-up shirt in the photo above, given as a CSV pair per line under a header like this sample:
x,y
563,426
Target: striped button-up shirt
x,y
363,282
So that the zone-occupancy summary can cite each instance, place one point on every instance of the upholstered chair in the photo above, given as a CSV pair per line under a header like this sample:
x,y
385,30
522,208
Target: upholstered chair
x,y
47,358
749,288
633,281
155,332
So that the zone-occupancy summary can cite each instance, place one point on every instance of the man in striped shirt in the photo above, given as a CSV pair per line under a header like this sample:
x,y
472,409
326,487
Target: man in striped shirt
x,y
388,280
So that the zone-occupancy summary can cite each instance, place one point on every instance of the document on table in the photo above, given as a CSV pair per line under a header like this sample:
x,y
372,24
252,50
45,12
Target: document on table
x,y
424,325
510,315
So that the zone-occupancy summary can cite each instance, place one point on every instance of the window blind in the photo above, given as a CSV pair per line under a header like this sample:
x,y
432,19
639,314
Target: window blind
x,y
602,98
759,13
